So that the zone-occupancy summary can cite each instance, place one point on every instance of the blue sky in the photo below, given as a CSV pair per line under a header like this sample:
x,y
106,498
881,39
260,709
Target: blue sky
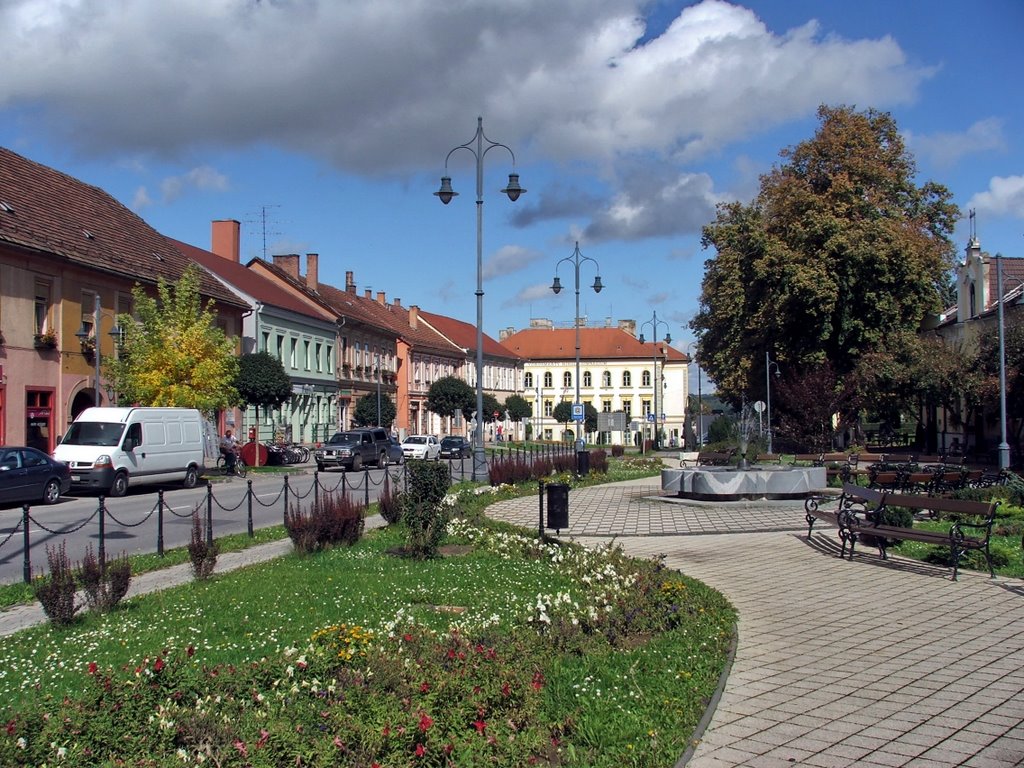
x,y
629,121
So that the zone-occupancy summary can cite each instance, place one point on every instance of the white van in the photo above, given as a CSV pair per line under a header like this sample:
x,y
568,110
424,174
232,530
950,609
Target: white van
x,y
108,448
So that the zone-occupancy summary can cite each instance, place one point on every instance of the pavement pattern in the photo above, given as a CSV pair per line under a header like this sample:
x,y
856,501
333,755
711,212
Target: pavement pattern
x,y
838,663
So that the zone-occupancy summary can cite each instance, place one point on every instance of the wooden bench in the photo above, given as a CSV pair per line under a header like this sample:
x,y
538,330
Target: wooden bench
x,y
715,458
837,465
859,513
853,497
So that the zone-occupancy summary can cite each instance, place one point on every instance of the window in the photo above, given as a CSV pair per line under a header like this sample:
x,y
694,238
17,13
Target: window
x,y
305,354
88,312
567,379
317,352
547,407
606,406
528,381
606,379
280,348
266,342
627,379
627,408
645,379
42,308
547,378
587,382
293,353
645,407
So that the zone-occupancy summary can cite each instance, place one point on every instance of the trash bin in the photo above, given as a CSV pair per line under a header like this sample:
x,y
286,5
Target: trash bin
x,y
558,505
582,463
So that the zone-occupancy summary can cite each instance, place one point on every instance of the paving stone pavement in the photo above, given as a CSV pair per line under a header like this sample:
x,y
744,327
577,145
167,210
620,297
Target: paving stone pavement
x,y
838,663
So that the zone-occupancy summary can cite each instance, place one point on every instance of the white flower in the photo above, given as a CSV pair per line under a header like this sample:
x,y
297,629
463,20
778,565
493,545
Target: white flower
x,y
21,742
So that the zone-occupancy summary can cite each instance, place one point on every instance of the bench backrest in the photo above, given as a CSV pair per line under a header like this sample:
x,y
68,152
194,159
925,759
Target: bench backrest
x,y
984,509
807,458
857,493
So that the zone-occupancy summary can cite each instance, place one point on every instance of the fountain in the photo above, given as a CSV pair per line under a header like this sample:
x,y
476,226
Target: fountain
x,y
743,482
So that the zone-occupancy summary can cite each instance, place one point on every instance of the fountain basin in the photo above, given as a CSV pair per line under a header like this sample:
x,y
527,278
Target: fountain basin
x,y
733,484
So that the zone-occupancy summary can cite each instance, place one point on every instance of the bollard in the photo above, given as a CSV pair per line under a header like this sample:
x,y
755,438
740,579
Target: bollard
x,y
316,490
249,513
160,523
540,520
209,514
103,545
366,487
285,513
26,568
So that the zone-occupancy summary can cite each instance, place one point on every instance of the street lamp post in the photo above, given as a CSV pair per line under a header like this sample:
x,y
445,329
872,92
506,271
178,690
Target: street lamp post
x,y
768,363
83,334
477,147
1004,446
653,322
378,389
576,260
700,402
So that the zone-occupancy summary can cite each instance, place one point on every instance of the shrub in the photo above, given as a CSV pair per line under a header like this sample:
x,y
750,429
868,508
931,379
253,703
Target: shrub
x,y
104,584
389,503
56,591
203,556
618,450
599,461
542,468
564,462
426,520
336,519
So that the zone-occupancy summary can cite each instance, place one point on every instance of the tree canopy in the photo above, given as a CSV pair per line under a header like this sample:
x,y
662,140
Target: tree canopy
x,y
839,249
562,413
262,380
173,353
450,394
518,408
365,414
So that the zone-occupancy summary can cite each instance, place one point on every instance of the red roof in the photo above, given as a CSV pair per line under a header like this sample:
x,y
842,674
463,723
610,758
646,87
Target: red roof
x,y
56,215
464,335
595,344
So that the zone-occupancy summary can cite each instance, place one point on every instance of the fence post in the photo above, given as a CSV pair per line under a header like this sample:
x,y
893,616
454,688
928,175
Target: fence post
x,y
284,514
344,483
366,486
160,523
103,543
209,513
26,568
248,495
316,490
540,519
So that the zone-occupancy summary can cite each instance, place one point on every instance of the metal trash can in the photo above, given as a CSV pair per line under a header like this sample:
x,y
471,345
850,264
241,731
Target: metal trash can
x,y
582,463
558,505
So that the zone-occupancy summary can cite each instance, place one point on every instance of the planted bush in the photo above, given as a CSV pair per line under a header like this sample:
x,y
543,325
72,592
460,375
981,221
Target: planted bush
x,y
599,461
104,584
618,450
423,514
335,519
203,556
389,503
56,591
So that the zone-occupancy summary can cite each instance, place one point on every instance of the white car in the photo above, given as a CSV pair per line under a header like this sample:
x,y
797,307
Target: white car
x,y
421,447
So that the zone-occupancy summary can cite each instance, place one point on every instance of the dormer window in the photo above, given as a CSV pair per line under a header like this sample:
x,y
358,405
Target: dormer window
x,y
973,300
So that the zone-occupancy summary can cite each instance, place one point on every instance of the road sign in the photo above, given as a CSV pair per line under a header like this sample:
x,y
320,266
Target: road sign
x,y
650,417
759,406
577,412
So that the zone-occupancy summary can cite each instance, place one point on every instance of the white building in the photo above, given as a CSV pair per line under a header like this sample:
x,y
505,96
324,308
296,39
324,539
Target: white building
x,y
616,374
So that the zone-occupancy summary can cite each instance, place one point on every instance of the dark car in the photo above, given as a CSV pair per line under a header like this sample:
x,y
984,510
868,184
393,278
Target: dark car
x,y
453,447
354,448
28,475
395,455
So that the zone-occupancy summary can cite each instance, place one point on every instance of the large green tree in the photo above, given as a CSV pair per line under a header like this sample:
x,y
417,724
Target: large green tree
x,y
365,414
840,249
262,381
173,353
562,413
518,408
449,395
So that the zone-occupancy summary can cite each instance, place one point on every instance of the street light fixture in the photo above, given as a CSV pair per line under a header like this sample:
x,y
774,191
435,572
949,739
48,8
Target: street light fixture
x,y
700,401
653,322
478,149
84,334
768,363
576,260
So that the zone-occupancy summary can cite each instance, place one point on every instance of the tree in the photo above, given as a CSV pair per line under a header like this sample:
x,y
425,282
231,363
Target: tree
x,y
365,414
491,407
518,408
262,381
839,250
562,413
173,353
449,395
806,405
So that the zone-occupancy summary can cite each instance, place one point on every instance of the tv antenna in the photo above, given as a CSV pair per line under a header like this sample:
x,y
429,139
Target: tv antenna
x,y
261,221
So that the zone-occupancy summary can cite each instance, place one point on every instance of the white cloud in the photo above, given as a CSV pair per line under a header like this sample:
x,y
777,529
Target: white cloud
x,y
202,178
509,259
946,149
529,294
141,199
1005,197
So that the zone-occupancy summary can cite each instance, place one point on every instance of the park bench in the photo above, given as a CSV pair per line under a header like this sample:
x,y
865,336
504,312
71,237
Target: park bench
x,y
838,465
860,512
715,458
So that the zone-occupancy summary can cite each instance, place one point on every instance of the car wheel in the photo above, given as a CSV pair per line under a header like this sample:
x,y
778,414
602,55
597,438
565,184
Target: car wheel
x,y
191,477
319,467
382,460
357,463
119,487
51,493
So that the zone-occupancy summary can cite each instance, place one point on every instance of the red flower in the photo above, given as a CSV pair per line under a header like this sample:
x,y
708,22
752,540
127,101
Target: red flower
x,y
425,722
420,750
158,664
424,687
387,731
240,746
339,743
538,681
451,653
190,651
264,735
505,690
92,667
480,726
407,637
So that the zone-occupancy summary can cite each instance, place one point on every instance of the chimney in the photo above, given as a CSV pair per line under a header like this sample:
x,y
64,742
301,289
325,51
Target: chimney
x,y
350,282
312,269
396,303
381,300
414,317
629,326
368,293
225,239
288,262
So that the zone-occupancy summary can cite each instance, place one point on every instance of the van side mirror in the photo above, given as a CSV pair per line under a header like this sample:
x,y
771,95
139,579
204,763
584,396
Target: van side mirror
x,y
129,444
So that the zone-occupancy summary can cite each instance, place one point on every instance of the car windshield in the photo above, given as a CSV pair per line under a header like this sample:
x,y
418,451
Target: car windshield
x,y
93,433
415,440
451,441
343,438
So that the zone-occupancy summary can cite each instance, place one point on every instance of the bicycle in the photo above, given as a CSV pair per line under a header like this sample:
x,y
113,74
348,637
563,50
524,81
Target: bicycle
x,y
240,470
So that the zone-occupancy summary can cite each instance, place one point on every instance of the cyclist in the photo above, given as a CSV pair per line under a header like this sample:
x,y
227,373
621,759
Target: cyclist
x,y
229,450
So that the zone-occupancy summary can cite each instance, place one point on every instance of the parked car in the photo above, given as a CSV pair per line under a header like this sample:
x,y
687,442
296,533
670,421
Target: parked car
x,y
421,447
454,447
28,475
354,448
395,453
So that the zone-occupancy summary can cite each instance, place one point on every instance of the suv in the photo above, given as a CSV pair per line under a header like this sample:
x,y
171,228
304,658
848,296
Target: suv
x,y
352,449
455,447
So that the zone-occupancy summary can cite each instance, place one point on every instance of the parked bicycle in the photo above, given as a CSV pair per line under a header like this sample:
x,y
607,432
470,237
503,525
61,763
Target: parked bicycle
x,y
239,469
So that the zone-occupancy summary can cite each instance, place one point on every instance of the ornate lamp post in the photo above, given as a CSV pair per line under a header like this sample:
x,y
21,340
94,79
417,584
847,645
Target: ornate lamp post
x,y
576,260
84,334
700,401
768,363
477,147
653,322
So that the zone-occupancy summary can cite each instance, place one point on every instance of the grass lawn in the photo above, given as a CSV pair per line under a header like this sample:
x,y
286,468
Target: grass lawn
x,y
505,651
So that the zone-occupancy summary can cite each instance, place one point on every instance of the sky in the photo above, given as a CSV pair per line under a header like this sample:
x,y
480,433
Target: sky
x,y
325,126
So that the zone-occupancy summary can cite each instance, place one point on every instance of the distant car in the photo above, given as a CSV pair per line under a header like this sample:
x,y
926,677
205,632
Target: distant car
x,y
28,475
354,448
421,447
453,447
395,453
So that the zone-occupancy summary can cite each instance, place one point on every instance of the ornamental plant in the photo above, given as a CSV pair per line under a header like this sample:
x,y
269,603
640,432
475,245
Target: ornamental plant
x,y
104,584
334,519
201,555
56,591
